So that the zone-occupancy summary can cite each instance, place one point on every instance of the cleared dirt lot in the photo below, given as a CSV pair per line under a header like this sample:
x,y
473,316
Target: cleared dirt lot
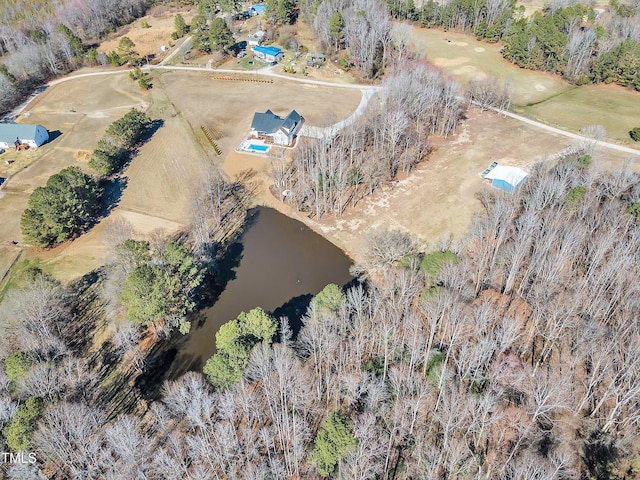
x,y
149,40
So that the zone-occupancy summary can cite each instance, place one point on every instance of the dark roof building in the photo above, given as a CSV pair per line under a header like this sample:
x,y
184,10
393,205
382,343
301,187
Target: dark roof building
x,y
280,130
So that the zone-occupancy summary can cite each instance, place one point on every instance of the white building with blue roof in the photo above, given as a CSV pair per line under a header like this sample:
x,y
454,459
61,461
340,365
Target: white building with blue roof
x,y
268,54
12,134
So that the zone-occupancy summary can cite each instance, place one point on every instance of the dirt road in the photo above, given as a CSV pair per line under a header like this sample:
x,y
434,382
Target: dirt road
x,y
367,92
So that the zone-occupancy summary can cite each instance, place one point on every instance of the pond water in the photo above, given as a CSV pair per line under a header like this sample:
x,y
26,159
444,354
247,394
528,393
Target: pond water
x,y
278,264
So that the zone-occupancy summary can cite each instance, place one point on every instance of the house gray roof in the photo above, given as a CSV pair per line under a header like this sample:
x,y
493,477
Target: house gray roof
x,y
10,131
269,123
291,120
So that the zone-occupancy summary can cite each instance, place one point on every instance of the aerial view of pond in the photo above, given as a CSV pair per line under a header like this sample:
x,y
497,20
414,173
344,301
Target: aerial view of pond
x,y
278,264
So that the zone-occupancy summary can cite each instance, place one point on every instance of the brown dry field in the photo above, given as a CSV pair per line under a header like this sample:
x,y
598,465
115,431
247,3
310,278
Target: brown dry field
x,y
228,106
161,178
149,40
438,200
76,113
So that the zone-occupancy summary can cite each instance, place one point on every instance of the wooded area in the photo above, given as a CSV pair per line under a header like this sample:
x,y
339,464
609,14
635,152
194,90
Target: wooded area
x,y
40,39
513,353
571,39
392,135
71,199
518,361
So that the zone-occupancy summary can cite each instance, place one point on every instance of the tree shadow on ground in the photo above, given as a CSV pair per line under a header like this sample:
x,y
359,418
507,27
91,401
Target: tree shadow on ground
x,y
112,191
150,131
600,455
154,371
87,312
116,377
168,359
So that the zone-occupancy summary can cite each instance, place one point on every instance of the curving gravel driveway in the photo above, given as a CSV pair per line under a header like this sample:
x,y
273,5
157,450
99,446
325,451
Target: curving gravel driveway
x,y
316,132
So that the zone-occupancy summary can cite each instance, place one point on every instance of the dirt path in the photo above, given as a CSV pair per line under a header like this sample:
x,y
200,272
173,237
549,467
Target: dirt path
x,y
186,43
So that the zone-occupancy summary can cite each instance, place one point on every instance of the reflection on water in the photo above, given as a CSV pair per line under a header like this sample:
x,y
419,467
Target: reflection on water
x,y
277,264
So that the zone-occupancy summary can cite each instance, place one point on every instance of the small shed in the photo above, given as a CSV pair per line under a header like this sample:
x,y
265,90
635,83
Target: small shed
x,y
314,59
506,178
32,135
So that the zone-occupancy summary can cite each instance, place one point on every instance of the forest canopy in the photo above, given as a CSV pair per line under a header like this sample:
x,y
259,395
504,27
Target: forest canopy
x,y
60,209
502,357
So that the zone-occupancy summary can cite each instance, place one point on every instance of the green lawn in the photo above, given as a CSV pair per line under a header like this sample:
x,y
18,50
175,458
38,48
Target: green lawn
x,y
616,108
538,95
466,58
18,273
249,63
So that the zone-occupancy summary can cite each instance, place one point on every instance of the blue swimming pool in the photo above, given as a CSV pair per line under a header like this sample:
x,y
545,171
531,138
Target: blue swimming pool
x,y
258,148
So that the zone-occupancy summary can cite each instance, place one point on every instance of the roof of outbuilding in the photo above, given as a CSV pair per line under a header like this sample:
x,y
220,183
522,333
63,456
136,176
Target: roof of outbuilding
x,y
271,50
511,175
10,131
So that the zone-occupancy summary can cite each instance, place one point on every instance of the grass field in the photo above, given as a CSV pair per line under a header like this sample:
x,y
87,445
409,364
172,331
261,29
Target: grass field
x,y
614,107
542,96
466,58
161,179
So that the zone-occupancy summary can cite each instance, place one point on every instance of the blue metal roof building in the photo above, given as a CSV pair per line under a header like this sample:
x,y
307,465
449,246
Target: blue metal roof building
x,y
506,178
32,135
270,54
